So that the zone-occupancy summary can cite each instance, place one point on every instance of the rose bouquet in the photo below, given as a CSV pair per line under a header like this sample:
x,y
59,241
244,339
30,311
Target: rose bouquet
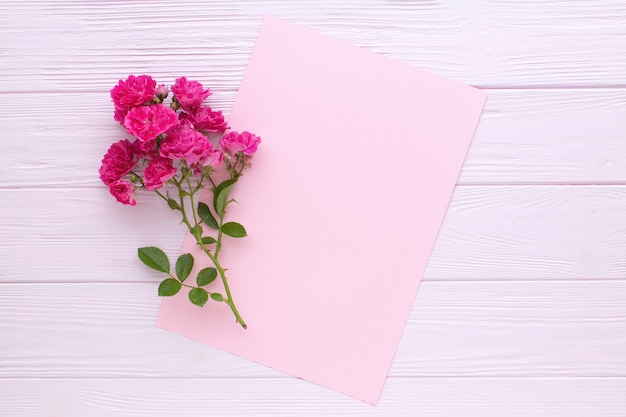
x,y
178,149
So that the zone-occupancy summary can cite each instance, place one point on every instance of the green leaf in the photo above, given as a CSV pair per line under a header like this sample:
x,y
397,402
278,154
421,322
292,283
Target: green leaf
x,y
173,204
155,258
217,296
208,240
206,276
234,229
198,296
184,264
220,195
169,287
207,217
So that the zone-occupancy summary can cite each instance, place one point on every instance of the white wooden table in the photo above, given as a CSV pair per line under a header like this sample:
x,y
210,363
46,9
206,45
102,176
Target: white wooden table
x,y
522,311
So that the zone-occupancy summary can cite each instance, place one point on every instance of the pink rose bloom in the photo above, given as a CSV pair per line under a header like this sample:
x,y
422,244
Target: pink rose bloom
x,y
120,114
214,160
145,149
190,94
123,191
117,162
148,122
184,142
207,120
245,142
133,92
157,172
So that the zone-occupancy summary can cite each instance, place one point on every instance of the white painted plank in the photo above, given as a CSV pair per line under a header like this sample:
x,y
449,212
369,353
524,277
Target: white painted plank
x,y
524,136
456,329
551,232
490,232
80,44
433,397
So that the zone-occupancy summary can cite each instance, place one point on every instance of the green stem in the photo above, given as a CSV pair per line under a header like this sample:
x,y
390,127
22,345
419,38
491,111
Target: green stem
x,y
161,195
229,298
218,244
243,165
214,258
193,206
211,181
181,283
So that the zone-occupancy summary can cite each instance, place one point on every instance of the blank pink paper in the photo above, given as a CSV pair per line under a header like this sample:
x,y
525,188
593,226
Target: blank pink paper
x,y
343,204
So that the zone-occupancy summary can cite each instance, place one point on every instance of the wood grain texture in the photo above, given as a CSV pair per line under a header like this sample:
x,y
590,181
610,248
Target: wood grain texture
x,y
524,137
490,232
403,397
522,311
79,45
471,329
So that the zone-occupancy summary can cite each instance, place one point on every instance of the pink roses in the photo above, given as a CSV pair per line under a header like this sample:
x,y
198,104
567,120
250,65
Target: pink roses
x,y
157,172
117,162
179,146
207,120
184,142
189,94
148,122
133,92
169,139
123,191
244,142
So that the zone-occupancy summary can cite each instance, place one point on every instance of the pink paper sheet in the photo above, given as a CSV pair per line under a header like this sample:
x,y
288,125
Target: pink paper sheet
x,y
343,204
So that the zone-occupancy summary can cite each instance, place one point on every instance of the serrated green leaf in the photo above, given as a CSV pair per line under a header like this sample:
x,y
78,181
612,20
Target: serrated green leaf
x,y
220,195
208,240
206,276
169,287
217,296
207,217
198,296
184,264
154,258
173,204
234,229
